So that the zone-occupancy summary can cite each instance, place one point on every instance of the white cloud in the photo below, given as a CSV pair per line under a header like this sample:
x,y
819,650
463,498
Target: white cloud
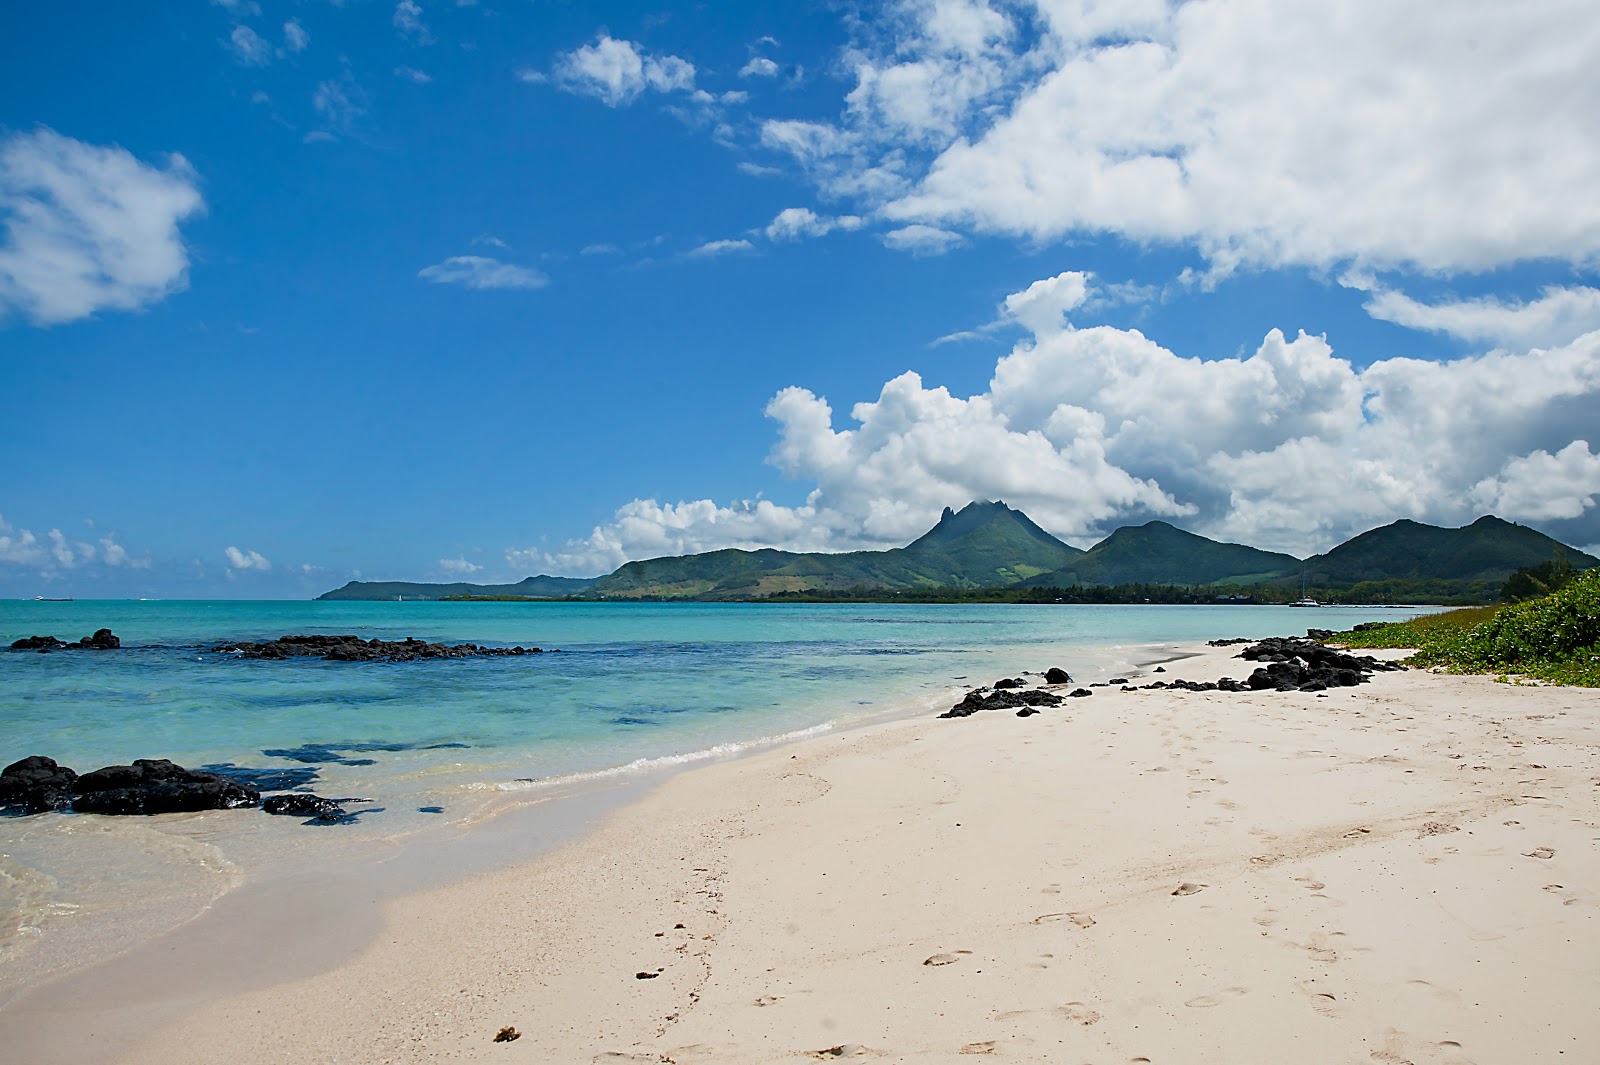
x,y
600,249
718,247
89,228
1259,134
458,567
1542,486
1288,448
246,560
759,67
617,72
489,240
295,37
408,22
1559,315
340,102
412,74
919,239
795,223
249,48
478,271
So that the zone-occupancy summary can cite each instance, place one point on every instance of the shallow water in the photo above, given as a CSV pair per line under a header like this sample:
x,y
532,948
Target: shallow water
x,y
438,745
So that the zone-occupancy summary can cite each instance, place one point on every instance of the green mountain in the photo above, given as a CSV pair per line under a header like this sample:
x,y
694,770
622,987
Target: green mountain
x,y
1158,553
1487,550
985,545
541,587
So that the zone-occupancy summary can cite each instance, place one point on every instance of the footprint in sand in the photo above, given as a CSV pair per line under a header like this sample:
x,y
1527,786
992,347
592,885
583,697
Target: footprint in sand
x,y
767,1000
845,1050
1082,920
1079,1013
1203,1002
1324,1002
1541,852
945,959
1187,888
988,1046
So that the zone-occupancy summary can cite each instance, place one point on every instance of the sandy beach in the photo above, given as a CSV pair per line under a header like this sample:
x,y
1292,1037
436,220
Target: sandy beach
x,y
1400,872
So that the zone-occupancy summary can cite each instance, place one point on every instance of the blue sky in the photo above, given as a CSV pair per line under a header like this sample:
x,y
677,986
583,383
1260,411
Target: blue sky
x,y
295,292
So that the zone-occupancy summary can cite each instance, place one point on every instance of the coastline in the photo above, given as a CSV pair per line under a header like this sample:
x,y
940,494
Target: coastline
x,y
1370,887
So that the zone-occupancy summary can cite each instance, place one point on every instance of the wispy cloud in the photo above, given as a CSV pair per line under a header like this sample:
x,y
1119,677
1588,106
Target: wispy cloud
x,y
249,48
295,37
478,271
408,22
919,239
714,248
795,223
1559,315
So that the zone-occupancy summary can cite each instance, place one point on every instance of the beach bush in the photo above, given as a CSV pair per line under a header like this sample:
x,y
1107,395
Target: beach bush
x,y
1555,637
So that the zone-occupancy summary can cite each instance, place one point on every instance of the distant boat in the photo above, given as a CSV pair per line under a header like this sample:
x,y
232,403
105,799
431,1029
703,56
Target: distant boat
x,y
42,599
1305,601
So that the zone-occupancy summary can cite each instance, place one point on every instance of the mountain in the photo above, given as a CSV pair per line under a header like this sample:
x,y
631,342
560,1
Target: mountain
x,y
1487,550
984,545
1158,553
539,587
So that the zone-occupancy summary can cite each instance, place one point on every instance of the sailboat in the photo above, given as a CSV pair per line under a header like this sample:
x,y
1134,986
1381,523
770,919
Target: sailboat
x,y
1304,600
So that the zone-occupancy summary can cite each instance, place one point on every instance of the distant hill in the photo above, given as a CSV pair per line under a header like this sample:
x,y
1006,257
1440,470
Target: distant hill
x,y
1487,550
540,587
990,545
1159,553
984,545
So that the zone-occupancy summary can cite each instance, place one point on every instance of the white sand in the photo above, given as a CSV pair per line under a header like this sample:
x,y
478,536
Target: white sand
x,y
1370,873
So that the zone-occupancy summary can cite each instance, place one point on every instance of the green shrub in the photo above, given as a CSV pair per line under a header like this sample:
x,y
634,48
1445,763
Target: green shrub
x,y
1555,637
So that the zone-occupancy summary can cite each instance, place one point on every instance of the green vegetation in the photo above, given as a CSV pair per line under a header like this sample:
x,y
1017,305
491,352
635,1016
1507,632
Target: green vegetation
x,y
1488,551
1555,637
1158,553
1533,581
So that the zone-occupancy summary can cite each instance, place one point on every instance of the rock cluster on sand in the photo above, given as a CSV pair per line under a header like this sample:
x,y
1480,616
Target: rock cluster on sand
x,y
1291,665
355,649
1003,699
102,640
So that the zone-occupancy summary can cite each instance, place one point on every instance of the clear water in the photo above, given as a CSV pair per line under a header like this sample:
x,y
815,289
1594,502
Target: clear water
x,y
439,744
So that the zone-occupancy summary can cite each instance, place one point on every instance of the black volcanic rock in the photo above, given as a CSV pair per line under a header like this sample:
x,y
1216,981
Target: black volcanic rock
x,y
1005,699
1057,675
351,648
102,640
304,804
35,785
157,786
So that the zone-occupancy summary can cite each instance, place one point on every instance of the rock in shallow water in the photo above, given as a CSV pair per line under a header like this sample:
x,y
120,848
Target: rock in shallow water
x,y
304,804
157,786
35,785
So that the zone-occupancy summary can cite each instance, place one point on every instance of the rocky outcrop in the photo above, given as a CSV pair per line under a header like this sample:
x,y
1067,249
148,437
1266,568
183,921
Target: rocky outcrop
x,y
1004,699
102,640
36,784
1057,675
1290,664
157,786
355,649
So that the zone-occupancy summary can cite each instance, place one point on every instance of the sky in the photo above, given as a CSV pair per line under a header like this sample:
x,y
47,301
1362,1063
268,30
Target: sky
x,y
294,292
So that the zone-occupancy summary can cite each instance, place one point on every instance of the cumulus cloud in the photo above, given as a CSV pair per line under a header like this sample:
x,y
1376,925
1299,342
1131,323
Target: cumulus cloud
x,y
1259,134
246,560
89,228
1559,315
617,72
759,67
479,271
796,223
458,567
1288,448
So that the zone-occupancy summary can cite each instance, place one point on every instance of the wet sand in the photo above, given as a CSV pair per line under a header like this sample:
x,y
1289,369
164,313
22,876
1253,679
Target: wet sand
x,y
1401,872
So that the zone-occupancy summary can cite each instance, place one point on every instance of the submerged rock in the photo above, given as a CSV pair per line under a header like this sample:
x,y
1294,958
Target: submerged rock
x,y
352,648
36,784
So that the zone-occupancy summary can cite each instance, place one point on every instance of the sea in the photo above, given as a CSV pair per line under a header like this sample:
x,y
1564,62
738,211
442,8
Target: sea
x,y
519,751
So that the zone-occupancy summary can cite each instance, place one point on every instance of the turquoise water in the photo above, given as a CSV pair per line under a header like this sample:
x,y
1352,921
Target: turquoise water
x,y
436,745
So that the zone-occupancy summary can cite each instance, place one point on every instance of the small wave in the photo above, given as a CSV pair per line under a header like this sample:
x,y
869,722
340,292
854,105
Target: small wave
x,y
639,765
